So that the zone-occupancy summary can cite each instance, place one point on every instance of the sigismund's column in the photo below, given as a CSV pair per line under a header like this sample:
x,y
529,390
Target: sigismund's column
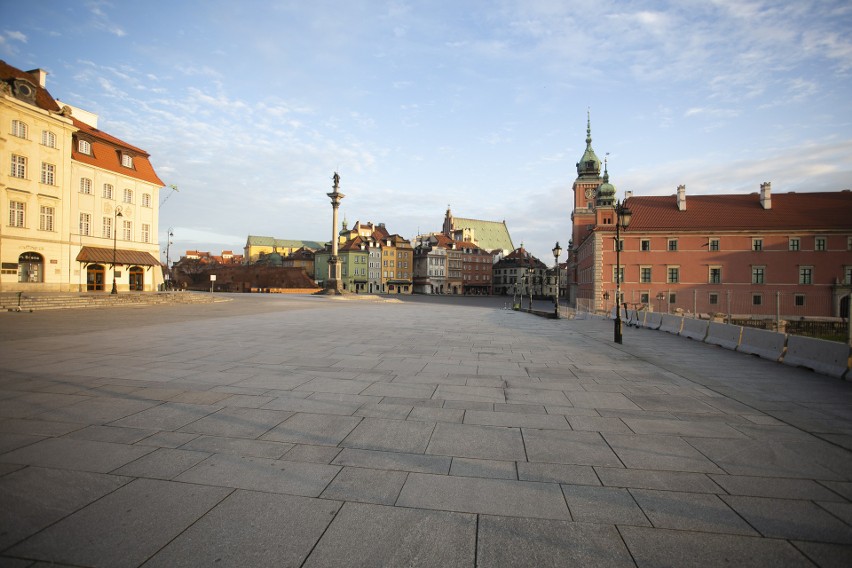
x,y
334,284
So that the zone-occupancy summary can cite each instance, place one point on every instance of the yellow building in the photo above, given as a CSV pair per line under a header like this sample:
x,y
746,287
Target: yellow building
x,y
258,245
67,187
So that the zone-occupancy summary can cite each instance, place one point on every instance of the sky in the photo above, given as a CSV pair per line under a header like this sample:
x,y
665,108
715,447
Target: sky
x,y
249,107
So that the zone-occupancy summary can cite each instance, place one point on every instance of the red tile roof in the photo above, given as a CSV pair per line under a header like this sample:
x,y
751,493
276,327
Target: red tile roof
x,y
789,211
43,99
106,154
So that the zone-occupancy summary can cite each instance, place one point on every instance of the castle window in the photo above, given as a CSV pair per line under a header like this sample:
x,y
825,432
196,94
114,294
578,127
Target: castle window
x,y
820,243
794,243
48,173
84,147
645,245
713,244
757,245
806,275
672,245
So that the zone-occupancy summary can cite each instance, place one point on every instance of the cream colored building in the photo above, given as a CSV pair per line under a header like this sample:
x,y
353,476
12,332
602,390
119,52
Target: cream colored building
x,y
79,207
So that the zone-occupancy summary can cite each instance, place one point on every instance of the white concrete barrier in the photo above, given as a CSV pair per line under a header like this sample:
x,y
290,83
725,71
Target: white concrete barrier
x,y
694,328
671,324
724,335
826,357
653,320
763,343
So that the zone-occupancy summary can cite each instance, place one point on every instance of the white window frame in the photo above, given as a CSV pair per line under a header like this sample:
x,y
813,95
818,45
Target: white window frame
x,y
710,279
758,275
85,224
17,214
19,167
86,186
714,244
48,174
671,245
20,129
48,139
109,191
794,244
128,195
669,279
46,216
757,244
84,147
820,244
127,230
806,275
146,200
127,160
106,228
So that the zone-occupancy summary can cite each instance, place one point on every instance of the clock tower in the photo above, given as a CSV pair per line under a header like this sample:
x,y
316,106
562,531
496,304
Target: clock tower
x,y
585,188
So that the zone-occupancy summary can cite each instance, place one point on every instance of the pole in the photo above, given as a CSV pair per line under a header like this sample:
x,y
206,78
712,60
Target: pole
x,y
618,336
728,294
778,311
115,217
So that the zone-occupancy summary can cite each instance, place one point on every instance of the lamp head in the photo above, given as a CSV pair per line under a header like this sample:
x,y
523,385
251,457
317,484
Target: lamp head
x,y
557,250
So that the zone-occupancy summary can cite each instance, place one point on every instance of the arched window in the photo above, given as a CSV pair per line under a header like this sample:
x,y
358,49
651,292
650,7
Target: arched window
x,y
48,138
86,186
19,129
31,267
84,147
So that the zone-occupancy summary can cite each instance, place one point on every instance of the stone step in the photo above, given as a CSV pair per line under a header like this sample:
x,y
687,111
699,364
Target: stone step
x,y
13,301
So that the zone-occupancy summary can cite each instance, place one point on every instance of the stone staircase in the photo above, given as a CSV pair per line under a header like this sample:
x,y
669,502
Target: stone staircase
x,y
37,301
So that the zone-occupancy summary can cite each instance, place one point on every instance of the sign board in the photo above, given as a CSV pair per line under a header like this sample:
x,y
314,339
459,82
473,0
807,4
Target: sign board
x,y
212,278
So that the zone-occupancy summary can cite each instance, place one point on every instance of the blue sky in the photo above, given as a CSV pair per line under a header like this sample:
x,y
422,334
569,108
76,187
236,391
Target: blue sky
x,y
249,107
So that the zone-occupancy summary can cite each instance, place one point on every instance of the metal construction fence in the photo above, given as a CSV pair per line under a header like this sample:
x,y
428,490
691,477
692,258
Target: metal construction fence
x,y
787,312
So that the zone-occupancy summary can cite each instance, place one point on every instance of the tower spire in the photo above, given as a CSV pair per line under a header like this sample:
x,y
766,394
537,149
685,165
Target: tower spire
x,y
588,129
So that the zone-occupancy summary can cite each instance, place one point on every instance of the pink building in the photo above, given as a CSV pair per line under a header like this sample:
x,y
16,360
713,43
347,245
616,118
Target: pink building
x,y
788,254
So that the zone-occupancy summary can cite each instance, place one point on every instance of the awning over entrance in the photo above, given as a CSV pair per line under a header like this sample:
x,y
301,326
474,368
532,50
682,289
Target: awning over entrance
x,y
122,256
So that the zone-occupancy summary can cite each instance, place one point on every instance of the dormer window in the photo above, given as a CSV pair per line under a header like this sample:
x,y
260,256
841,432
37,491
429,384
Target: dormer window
x,y
127,160
84,147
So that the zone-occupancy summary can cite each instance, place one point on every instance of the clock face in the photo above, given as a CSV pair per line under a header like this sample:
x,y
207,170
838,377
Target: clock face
x,y
590,192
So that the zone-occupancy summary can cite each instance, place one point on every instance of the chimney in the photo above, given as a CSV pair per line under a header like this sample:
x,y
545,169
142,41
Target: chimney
x,y
627,195
681,198
766,195
40,76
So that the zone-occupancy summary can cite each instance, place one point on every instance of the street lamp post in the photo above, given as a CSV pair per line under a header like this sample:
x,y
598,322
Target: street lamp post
x,y
168,267
114,246
557,250
623,217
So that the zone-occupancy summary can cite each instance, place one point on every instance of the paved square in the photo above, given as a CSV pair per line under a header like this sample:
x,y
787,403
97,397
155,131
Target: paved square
x,y
275,430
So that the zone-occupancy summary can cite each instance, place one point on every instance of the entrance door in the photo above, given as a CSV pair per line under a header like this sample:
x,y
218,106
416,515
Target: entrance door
x,y
95,276
137,279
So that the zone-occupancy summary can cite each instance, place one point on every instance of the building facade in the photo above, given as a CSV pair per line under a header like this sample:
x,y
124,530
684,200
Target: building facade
x,y
784,256
519,272
80,207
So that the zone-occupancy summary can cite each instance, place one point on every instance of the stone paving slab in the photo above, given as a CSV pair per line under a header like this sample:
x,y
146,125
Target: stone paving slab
x,y
456,433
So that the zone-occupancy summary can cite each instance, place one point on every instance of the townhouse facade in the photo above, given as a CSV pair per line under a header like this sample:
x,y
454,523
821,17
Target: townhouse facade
x,y
519,272
80,207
